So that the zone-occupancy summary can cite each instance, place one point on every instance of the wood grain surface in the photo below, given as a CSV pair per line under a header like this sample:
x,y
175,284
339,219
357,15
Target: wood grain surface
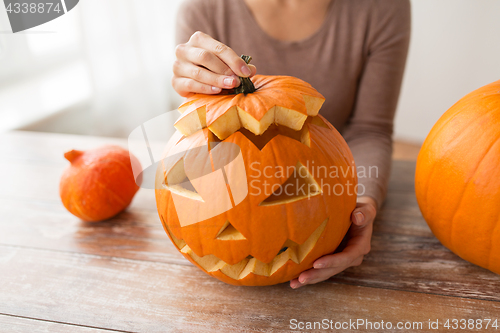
x,y
59,274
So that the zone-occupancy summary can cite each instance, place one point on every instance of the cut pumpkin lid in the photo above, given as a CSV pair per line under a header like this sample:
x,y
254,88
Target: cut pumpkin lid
x,y
281,100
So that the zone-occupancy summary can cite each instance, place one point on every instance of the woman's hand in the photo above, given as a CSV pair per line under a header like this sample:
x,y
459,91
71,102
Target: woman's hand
x,y
207,66
358,245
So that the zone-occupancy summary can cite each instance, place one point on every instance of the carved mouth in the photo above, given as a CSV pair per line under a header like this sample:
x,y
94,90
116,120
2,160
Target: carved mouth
x,y
290,251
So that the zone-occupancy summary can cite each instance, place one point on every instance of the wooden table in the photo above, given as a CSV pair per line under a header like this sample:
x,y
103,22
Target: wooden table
x,y
58,274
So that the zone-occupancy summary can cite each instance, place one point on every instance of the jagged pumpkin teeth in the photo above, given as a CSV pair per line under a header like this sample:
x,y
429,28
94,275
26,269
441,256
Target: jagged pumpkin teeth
x,y
240,270
247,195
282,100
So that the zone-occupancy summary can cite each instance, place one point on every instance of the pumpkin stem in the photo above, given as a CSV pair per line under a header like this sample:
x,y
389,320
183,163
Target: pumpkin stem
x,y
246,86
72,155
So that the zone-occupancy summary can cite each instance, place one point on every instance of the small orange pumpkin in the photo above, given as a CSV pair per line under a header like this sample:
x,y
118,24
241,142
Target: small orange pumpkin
x,y
457,181
99,183
268,232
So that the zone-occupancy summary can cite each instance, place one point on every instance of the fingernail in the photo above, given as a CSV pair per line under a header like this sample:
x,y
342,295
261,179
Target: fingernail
x,y
236,81
246,71
229,82
319,266
359,217
216,89
302,280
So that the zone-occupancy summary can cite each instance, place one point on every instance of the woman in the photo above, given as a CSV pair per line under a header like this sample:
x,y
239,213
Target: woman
x,y
351,51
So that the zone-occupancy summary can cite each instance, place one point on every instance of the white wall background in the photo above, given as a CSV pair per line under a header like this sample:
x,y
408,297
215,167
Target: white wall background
x,y
454,49
101,69
112,60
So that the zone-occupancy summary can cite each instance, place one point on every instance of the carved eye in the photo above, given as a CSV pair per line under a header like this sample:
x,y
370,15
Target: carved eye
x,y
228,232
178,182
299,185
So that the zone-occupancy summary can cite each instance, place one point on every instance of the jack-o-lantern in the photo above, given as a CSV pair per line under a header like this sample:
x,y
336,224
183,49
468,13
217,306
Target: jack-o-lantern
x,y
256,186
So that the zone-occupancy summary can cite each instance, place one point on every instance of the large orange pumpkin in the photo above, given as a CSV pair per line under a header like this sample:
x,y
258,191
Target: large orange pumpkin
x,y
99,183
228,192
457,180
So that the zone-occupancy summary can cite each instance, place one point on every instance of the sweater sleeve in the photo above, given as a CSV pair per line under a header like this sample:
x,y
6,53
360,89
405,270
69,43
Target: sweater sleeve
x,y
368,132
194,15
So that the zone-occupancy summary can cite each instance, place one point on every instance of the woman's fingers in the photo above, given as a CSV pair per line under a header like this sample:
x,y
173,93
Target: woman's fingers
x,y
253,69
220,51
363,214
202,75
358,246
343,259
314,275
352,255
202,57
328,266
317,275
206,66
186,87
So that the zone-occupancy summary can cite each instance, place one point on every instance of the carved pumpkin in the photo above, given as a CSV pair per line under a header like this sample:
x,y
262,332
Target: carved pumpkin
x,y
99,183
457,178
228,192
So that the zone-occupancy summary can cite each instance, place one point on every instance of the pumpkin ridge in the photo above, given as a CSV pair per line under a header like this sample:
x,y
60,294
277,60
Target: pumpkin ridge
x,y
454,112
456,109
429,177
79,210
115,195
490,251
455,115
468,182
